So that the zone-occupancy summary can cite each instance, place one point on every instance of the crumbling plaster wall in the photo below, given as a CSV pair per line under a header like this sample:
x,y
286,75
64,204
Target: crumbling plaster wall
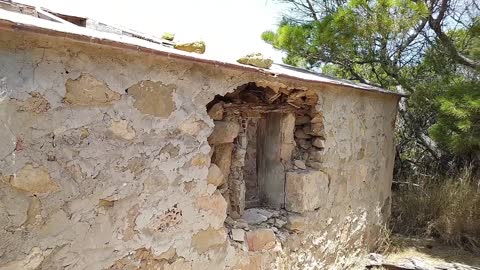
x,y
96,177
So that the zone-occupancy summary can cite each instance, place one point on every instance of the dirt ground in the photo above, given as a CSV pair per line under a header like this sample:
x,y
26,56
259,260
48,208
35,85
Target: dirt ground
x,y
430,251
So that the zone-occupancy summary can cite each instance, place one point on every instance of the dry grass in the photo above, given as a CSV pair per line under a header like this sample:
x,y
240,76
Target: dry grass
x,y
444,208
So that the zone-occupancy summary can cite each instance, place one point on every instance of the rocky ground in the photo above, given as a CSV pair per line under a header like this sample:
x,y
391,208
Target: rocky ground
x,y
423,254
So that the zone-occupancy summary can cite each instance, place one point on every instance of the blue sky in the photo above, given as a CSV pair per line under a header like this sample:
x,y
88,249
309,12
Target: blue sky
x,y
230,28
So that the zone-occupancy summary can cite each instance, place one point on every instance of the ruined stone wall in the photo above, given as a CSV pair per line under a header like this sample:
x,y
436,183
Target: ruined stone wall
x,y
105,164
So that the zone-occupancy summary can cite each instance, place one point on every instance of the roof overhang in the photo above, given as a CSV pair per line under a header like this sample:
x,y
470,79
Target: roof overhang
x,y
16,22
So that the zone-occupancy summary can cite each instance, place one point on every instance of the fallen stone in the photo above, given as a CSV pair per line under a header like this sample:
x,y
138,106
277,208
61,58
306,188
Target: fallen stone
x,y
215,176
87,90
318,142
300,164
224,132
256,60
305,190
261,239
195,47
256,215
238,235
216,112
153,98
34,180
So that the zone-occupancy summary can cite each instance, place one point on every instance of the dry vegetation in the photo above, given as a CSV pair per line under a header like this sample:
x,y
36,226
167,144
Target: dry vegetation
x,y
447,208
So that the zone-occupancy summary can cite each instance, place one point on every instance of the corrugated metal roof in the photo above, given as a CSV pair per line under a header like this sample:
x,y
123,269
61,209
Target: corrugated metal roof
x,y
11,21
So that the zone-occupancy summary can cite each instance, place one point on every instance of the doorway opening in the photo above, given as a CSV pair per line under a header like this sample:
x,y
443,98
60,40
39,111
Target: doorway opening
x,y
257,140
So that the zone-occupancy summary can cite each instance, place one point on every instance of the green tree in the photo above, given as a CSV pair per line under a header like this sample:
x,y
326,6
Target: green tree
x,y
426,48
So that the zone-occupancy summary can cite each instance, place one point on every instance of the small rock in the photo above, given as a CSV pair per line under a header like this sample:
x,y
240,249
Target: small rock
x,y
280,222
375,259
256,215
403,263
317,129
300,164
318,118
241,224
216,111
195,47
316,155
315,165
256,60
301,120
230,221
168,36
300,133
304,144
319,143
238,235
51,156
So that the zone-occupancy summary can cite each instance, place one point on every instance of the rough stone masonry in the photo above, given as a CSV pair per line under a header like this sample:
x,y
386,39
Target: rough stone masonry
x,y
113,158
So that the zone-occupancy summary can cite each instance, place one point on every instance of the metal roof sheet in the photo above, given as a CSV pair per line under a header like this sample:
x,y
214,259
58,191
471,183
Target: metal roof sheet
x,y
12,21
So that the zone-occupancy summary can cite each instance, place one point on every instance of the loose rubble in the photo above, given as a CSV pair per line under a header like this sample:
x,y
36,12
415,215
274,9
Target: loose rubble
x,y
256,60
195,47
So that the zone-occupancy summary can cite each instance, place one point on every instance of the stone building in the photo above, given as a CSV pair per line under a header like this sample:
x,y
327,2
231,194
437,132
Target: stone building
x,y
120,153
